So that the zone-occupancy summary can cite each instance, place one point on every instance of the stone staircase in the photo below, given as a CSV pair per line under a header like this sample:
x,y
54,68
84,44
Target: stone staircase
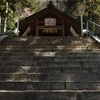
x,y
49,68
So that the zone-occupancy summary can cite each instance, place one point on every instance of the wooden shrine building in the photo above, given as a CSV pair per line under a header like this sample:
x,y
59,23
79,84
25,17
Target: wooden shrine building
x,y
49,22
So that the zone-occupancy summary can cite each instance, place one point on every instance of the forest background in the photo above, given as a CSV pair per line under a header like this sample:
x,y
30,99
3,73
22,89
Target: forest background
x,y
9,16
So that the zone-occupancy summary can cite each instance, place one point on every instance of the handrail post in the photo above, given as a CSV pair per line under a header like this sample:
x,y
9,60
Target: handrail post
x,y
87,28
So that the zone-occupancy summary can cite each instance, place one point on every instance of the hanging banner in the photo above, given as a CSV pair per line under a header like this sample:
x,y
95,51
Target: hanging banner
x,y
50,22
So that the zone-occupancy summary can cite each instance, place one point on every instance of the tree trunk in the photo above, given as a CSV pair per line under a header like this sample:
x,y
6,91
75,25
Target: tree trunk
x,y
2,25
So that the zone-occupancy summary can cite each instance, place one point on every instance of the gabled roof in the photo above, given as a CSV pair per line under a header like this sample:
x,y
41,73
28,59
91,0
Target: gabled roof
x,y
50,9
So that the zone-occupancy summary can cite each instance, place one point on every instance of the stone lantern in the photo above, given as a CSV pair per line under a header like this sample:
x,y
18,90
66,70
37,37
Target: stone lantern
x,y
81,9
19,9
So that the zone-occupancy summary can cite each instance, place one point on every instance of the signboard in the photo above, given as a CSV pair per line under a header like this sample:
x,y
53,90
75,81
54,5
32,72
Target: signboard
x,y
50,22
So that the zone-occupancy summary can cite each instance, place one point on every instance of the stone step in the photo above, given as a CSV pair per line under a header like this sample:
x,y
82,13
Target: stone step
x,y
69,76
24,44
28,46
47,85
52,50
52,54
48,69
39,59
50,95
47,42
52,58
56,46
45,38
39,48
50,63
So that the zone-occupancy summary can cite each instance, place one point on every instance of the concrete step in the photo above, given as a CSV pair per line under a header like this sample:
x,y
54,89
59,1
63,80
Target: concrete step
x,y
70,76
50,95
48,69
48,85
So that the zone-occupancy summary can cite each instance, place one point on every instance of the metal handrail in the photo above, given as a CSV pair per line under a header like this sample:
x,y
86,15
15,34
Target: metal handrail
x,y
93,24
3,24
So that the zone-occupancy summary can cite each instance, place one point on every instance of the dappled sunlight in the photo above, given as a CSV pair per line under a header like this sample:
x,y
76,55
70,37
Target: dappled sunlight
x,y
34,40
10,47
22,39
44,54
61,47
25,68
57,40
82,45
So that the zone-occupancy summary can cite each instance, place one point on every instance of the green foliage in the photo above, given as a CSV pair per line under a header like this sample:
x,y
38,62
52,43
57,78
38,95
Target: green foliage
x,y
91,27
71,5
93,8
11,15
32,4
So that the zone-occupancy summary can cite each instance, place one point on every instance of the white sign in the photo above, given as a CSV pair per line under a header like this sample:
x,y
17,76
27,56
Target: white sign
x,y
50,22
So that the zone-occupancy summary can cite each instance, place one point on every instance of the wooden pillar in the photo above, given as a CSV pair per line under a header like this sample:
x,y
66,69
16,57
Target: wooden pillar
x,y
63,28
36,27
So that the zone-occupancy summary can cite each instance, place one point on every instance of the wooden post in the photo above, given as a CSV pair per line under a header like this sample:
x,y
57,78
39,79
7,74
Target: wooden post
x,y
63,28
36,27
